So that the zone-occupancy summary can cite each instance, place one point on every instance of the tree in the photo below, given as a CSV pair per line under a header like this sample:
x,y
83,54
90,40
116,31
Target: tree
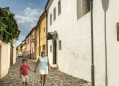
x,y
8,27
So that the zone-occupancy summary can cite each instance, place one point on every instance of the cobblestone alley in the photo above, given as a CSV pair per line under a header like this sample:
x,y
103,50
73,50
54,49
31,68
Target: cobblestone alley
x,y
54,78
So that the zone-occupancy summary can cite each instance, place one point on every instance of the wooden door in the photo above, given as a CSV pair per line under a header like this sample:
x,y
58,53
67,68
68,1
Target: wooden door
x,y
54,52
11,56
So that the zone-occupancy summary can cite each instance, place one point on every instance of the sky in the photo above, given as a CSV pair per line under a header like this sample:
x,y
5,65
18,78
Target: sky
x,y
27,13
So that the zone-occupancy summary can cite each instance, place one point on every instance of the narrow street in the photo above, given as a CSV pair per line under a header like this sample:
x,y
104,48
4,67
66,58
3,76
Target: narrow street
x,y
54,78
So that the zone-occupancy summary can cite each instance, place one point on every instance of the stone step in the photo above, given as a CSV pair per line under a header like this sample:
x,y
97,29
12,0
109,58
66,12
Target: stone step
x,y
54,66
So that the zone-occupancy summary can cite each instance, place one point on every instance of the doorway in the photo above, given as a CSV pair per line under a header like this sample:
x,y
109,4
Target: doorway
x,y
11,56
54,52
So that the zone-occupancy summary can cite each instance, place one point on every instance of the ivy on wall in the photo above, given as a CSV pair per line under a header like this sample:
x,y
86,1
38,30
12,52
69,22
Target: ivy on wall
x,y
8,27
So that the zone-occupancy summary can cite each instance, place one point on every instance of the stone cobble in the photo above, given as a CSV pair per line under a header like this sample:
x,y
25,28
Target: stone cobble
x,y
54,78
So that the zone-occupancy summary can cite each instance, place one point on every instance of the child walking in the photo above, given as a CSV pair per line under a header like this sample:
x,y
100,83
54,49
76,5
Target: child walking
x,y
24,72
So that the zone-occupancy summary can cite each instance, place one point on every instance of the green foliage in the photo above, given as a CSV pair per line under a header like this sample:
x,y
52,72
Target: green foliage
x,y
8,27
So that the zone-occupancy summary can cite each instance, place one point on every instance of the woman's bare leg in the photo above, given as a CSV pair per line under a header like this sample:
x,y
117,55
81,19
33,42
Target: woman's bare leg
x,y
44,79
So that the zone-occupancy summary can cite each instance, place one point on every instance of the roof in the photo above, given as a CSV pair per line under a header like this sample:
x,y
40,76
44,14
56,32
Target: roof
x,y
6,9
48,3
30,32
40,18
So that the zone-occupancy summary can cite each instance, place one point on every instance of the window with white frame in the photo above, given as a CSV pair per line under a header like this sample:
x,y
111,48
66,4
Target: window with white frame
x,y
50,19
54,13
50,48
60,45
83,7
59,7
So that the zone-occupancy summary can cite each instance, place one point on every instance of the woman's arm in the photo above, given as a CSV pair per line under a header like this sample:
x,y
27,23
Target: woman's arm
x,y
48,65
36,65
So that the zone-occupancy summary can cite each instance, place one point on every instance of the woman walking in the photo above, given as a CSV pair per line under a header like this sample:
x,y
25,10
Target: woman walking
x,y
44,66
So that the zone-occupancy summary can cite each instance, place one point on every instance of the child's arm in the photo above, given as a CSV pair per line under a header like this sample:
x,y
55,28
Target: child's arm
x,y
31,70
20,73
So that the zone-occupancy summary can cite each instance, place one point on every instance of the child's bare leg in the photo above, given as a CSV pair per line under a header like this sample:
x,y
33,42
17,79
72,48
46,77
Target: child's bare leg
x,y
26,83
23,83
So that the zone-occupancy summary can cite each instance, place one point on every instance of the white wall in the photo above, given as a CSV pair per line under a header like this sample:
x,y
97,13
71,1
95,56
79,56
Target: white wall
x,y
75,56
112,43
4,60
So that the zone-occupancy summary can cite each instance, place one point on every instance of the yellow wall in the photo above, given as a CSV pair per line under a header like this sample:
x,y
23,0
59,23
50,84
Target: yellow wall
x,y
37,46
43,33
19,51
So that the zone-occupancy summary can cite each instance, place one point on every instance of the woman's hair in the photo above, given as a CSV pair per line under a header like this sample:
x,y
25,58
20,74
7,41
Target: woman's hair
x,y
42,52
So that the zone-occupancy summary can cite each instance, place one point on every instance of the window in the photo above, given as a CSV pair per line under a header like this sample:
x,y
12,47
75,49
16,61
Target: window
x,y
83,7
44,29
50,48
28,40
38,32
54,14
59,7
43,47
50,19
31,38
32,49
60,45
117,31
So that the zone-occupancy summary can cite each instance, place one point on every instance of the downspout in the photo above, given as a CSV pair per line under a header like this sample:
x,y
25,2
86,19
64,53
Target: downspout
x,y
92,45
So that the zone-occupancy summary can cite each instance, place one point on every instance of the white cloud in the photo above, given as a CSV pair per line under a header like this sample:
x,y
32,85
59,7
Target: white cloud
x,y
26,21
30,3
30,15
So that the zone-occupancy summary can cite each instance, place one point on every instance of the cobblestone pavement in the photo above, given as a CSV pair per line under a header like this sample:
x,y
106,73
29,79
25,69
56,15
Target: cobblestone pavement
x,y
54,78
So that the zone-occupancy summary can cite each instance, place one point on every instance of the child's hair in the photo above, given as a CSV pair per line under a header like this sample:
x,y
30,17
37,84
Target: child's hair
x,y
24,60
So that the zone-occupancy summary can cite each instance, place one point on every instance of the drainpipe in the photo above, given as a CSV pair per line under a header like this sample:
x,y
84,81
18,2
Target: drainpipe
x,y
92,45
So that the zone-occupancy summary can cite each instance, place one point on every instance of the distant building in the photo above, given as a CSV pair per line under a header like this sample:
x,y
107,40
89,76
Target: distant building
x,y
30,45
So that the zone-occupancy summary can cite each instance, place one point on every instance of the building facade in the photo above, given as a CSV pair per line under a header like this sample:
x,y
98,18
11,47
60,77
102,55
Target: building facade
x,y
30,46
43,43
69,39
41,34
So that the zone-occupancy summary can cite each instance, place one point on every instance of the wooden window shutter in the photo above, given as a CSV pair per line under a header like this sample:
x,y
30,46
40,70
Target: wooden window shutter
x,y
117,31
